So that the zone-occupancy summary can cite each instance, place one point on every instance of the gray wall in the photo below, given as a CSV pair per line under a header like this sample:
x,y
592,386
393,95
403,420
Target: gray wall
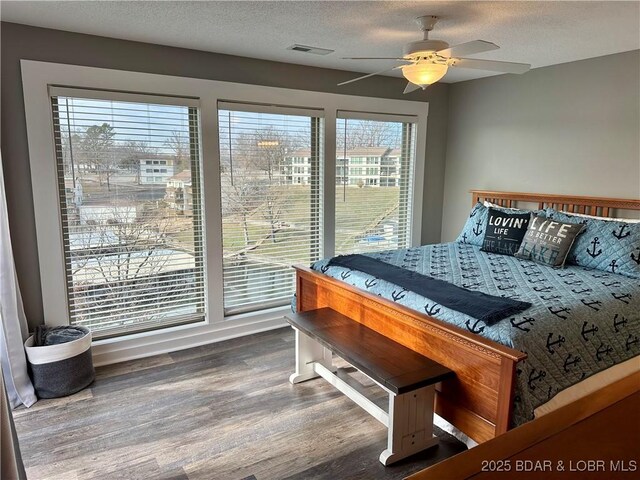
x,y
24,42
570,128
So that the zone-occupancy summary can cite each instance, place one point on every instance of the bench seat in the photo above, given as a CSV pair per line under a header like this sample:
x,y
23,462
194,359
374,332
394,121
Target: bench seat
x,y
408,377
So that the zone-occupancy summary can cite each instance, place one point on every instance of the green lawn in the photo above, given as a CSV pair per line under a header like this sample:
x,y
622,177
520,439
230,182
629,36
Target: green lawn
x,y
293,220
294,212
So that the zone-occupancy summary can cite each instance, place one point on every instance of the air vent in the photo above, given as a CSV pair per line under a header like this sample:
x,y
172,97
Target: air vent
x,y
307,49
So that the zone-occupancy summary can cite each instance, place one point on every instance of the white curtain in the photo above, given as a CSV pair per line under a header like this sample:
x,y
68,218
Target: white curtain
x,y
11,467
14,329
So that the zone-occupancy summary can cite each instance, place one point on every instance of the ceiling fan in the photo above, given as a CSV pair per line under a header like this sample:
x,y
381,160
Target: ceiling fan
x,y
427,61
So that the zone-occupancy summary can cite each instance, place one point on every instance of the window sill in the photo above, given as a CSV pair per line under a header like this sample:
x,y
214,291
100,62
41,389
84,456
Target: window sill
x,y
156,342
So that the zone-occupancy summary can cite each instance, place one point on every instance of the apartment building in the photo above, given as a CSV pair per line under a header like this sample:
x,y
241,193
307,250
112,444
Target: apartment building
x,y
364,166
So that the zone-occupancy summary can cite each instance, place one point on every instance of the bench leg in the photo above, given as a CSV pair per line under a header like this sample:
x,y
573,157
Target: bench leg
x,y
410,424
309,351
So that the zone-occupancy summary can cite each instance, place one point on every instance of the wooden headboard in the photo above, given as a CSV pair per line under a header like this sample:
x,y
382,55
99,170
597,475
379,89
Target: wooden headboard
x,y
605,207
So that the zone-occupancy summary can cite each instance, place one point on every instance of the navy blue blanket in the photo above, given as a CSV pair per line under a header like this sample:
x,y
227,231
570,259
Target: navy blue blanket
x,y
482,306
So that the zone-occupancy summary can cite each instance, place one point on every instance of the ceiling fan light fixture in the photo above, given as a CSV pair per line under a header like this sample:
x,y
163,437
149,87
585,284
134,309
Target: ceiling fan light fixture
x,y
424,74
429,60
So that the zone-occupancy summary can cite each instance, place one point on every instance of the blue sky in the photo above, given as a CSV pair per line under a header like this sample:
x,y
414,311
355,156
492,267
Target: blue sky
x,y
153,124
148,123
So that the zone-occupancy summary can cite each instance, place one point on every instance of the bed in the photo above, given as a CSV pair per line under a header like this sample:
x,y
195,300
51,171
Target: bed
x,y
491,365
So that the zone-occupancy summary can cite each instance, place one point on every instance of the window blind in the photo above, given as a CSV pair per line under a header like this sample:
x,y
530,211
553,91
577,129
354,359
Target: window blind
x,y
131,212
374,184
271,202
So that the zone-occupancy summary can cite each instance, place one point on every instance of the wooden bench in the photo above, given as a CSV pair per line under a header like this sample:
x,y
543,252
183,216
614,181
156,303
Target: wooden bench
x,y
408,377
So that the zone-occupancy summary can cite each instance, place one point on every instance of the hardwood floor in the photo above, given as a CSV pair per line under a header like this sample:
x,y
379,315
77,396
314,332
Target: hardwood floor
x,y
220,411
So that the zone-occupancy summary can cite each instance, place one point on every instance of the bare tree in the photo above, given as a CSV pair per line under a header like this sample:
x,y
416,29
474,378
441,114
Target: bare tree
x,y
239,199
251,171
263,151
130,153
275,199
178,143
71,156
126,250
97,145
368,133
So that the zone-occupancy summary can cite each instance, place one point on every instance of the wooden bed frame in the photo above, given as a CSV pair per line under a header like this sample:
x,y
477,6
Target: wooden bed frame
x,y
478,401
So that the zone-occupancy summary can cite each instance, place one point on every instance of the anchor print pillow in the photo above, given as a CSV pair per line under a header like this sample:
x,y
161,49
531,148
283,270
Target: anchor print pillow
x,y
607,245
505,231
548,241
474,230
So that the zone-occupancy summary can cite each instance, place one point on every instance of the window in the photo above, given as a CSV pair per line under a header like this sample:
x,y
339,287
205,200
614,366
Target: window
x,y
196,206
374,214
270,220
132,263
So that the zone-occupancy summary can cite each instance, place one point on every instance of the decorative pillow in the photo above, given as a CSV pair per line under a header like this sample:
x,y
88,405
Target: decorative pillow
x,y
473,230
476,226
548,241
607,245
612,219
505,231
487,203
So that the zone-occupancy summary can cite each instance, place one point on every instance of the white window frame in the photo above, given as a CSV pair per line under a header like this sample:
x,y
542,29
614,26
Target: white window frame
x,y
36,79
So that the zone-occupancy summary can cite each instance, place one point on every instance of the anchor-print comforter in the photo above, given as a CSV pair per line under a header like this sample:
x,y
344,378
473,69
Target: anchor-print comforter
x,y
581,322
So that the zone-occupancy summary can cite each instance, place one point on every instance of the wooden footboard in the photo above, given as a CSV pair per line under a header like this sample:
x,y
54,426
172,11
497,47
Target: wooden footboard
x,y
478,400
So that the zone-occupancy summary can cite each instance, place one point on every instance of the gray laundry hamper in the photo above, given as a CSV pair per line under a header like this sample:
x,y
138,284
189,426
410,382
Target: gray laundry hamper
x,y
64,368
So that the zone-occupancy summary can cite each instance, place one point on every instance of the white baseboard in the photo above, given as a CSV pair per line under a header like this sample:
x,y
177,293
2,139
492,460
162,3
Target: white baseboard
x,y
147,344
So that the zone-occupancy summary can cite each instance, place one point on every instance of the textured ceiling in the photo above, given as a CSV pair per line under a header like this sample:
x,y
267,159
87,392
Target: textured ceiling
x,y
539,33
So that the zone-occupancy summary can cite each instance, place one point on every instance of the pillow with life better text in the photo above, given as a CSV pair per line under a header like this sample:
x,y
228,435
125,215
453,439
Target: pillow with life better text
x,y
547,241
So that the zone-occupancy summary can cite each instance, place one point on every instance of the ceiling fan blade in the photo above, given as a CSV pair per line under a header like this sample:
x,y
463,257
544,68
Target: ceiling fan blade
x,y
378,58
411,87
468,48
367,76
492,65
